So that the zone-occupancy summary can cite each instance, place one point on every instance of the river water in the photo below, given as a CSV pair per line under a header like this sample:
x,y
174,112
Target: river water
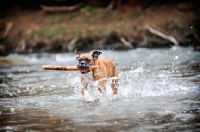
x,y
158,91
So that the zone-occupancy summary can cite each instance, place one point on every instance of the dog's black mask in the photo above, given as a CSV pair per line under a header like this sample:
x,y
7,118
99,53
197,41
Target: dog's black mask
x,y
84,64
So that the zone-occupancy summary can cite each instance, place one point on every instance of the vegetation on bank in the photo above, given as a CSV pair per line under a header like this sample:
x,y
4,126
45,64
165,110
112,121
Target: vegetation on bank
x,y
11,61
131,26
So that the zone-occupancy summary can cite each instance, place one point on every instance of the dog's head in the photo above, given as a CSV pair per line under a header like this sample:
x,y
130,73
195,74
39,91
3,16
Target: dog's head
x,y
86,60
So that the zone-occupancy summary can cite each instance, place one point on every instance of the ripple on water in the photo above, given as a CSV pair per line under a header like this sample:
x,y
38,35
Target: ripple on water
x,y
154,94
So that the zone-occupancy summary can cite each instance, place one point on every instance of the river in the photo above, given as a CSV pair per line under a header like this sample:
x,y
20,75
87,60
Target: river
x,y
158,91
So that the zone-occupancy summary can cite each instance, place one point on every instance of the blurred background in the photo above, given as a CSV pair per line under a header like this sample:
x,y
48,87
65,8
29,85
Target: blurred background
x,y
29,26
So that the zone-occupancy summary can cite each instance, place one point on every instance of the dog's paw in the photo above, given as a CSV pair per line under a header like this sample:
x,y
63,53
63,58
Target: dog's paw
x,y
87,97
90,100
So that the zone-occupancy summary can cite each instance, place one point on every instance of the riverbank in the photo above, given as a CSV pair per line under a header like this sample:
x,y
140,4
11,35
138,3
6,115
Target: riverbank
x,y
12,61
30,30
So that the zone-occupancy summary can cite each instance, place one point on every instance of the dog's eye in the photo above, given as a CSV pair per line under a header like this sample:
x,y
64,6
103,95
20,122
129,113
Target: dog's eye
x,y
79,60
87,60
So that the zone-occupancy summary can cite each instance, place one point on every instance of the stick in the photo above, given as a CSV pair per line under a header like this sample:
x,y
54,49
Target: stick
x,y
8,27
126,43
158,33
65,68
60,8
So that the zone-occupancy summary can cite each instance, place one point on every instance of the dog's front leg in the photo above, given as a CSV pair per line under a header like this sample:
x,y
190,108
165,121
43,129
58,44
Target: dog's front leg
x,y
114,85
102,90
102,87
100,77
86,95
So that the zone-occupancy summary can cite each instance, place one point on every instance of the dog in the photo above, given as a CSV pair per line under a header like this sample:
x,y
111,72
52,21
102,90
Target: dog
x,y
105,69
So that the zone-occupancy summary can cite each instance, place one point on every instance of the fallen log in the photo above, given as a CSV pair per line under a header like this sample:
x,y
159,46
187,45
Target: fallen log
x,y
60,8
8,27
71,45
126,43
65,68
158,33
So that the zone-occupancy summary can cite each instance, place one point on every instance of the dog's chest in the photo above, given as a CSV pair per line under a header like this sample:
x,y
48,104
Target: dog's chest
x,y
87,78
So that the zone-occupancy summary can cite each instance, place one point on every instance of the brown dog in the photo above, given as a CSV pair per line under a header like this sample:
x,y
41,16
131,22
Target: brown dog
x,y
106,69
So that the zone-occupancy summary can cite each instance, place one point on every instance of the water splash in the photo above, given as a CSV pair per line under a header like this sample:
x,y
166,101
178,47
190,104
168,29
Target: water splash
x,y
157,87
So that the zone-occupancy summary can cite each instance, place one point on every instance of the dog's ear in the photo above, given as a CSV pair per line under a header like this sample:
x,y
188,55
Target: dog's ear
x,y
96,54
77,54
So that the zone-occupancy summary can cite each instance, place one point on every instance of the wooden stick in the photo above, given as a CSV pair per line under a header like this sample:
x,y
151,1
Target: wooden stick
x,y
65,68
158,33
60,8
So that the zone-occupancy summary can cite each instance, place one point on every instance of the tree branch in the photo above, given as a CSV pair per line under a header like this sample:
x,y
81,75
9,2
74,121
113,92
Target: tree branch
x,y
60,8
160,34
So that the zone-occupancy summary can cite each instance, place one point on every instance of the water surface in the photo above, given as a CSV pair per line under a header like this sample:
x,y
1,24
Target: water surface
x,y
158,91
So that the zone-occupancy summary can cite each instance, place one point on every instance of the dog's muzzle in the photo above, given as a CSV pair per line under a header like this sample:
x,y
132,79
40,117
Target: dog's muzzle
x,y
84,64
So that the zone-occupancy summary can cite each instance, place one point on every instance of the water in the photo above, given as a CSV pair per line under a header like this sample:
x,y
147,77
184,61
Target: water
x,y
158,91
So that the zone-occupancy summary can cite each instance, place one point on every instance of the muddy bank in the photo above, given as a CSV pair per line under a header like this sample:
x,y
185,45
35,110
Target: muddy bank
x,y
33,30
142,36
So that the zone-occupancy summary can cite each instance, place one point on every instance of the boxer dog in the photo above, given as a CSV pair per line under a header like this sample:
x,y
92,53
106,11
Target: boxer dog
x,y
106,68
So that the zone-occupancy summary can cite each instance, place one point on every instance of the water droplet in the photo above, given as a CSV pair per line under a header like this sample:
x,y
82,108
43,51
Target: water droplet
x,y
176,57
12,109
52,86
41,86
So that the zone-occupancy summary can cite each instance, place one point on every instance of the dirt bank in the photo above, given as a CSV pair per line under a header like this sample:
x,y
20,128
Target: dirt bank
x,y
28,30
